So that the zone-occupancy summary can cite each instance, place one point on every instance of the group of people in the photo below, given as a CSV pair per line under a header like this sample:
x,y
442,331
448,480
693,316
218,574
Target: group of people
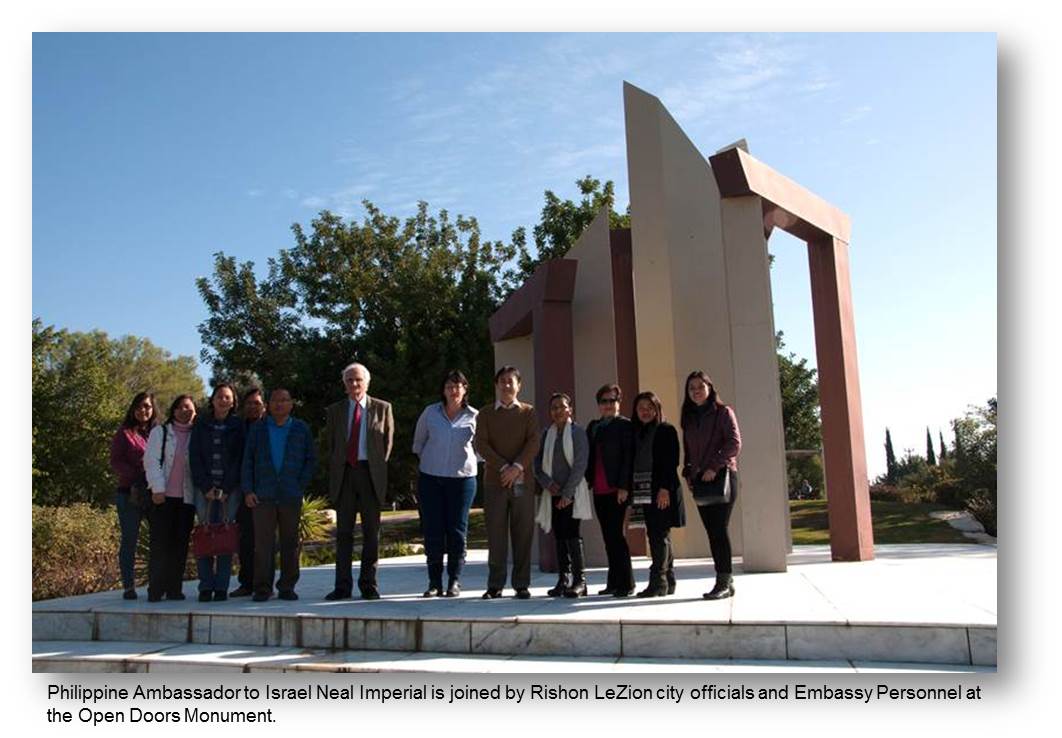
x,y
254,467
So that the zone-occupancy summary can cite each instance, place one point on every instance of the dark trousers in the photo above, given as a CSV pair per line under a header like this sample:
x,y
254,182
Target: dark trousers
x,y
444,504
357,497
170,525
245,519
268,518
611,514
715,519
129,517
662,568
509,517
564,524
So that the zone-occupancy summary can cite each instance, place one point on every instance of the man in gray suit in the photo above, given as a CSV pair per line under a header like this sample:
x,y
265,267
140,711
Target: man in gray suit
x,y
358,435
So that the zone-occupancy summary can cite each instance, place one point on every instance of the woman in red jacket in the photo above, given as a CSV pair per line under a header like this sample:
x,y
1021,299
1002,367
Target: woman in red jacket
x,y
712,441
132,499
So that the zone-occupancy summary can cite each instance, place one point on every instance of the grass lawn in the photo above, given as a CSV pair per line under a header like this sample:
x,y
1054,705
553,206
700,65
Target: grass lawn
x,y
894,522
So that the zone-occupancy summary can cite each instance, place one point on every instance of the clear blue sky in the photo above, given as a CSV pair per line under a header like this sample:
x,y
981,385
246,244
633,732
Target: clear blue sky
x,y
152,152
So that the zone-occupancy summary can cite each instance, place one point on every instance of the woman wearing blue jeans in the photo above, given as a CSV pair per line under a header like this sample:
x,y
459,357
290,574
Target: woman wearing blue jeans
x,y
447,481
132,498
216,454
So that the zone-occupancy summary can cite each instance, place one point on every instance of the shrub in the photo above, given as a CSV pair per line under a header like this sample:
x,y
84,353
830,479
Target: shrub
x,y
75,550
983,507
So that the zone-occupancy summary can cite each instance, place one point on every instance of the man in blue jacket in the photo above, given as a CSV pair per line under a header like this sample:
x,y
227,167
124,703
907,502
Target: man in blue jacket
x,y
278,463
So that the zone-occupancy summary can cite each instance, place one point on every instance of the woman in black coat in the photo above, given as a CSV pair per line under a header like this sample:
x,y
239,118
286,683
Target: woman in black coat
x,y
655,486
608,472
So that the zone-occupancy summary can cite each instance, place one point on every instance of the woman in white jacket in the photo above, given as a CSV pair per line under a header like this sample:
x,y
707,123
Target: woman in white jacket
x,y
172,515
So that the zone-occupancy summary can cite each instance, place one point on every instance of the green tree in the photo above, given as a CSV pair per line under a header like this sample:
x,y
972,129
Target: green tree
x,y
890,460
943,448
82,384
800,417
408,299
974,456
931,456
563,221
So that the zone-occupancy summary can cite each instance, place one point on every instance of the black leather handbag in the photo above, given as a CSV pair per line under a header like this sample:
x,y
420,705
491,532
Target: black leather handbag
x,y
715,492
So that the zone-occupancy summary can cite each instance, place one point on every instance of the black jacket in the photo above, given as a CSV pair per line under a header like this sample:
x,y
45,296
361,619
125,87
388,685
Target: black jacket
x,y
615,441
665,475
200,452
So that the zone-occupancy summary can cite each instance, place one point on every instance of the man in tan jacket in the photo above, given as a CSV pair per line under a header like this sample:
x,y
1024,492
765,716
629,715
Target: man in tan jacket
x,y
358,435
507,437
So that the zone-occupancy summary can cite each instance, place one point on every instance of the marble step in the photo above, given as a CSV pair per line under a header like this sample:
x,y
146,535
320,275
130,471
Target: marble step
x,y
532,635
159,657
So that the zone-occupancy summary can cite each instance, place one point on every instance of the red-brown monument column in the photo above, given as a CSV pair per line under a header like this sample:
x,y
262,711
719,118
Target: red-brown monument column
x,y
848,499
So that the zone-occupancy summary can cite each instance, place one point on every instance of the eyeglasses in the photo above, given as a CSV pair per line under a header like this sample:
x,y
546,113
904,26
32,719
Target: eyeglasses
x,y
607,400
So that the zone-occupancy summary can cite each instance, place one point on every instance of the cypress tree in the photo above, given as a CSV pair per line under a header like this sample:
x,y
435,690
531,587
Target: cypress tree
x,y
943,448
890,459
931,455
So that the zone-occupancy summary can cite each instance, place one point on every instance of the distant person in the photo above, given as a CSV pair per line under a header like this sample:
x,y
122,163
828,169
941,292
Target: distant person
x,y
216,457
712,441
133,501
278,464
253,409
169,476
446,483
560,469
608,472
507,438
358,436
655,486
806,490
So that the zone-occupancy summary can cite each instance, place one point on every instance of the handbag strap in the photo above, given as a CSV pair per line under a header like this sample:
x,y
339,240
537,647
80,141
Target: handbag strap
x,y
715,424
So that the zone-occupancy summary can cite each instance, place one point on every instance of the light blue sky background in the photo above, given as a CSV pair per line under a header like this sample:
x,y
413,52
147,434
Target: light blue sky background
x,y
152,152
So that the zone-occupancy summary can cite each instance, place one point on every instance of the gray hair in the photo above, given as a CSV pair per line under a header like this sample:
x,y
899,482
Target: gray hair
x,y
351,367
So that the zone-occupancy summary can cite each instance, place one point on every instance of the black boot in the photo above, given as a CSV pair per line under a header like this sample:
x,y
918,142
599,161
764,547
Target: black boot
x,y
578,586
564,569
657,586
724,587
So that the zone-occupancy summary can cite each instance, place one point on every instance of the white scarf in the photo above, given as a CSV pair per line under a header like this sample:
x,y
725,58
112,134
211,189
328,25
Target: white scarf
x,y
583,510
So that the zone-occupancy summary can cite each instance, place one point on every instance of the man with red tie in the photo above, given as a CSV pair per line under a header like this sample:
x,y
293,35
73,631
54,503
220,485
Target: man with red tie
x,y
358,435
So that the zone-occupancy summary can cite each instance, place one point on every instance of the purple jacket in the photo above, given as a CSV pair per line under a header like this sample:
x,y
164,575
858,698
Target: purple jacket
x,y
712,439
127,456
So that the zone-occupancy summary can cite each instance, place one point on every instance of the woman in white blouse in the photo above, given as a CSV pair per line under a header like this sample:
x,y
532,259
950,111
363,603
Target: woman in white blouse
x,y
446,484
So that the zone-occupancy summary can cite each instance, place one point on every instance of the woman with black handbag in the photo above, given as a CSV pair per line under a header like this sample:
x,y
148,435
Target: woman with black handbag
x,y
712,443
655,486
132,498
216,457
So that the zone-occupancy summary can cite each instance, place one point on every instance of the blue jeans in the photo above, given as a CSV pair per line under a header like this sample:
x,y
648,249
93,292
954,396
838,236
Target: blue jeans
x,y
129,517
215,571
444,504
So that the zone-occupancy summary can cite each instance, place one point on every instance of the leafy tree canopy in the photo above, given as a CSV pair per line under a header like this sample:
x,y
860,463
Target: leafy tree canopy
x,y
82,385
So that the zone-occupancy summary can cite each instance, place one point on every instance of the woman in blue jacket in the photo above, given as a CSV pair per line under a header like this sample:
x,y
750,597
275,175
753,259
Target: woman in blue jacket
x,y
215,454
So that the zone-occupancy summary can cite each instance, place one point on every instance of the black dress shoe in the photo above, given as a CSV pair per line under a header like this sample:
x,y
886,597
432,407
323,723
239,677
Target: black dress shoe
x,y
242,591
337,594
492,594
651,591
433,591
154,597
523,594
175,596
206,596
724,587
129,594
454,589
260,596
288,595
221,595
606,592
370,593
623,592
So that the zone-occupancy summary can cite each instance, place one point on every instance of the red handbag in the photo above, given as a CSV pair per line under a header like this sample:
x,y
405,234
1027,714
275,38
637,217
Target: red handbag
x,y
215,539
